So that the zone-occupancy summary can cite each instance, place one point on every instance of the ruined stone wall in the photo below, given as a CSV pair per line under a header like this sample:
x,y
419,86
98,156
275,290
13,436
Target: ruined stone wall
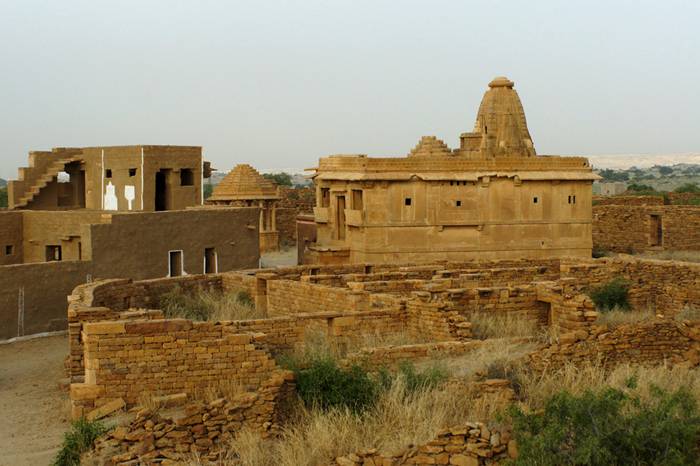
x,y
627,200
472,444
293,201
128,359
629,228
202,429
653,342
285,297
392,356
664,286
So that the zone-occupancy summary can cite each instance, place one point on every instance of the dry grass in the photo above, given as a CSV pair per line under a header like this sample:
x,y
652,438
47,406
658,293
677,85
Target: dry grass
x,y
318,344
536,388
399,419
494,353
213,306
509,325
618,316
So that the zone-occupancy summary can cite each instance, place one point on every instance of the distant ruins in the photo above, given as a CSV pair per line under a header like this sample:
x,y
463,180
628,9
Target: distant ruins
x,y
245,187
492,198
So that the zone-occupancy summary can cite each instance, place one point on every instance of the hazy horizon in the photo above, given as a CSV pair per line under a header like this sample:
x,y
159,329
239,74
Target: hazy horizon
x,y
280,84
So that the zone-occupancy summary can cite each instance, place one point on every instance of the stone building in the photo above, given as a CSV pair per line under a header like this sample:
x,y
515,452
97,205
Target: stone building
x,y
141,178
493,197
245,187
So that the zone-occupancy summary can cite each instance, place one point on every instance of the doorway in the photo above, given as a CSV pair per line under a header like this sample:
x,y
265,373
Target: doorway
x,y
655,230
162,190
210,261
175,267
340,216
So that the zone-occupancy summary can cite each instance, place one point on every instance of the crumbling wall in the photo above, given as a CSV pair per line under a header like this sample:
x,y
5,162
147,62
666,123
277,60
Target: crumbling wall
x,y
653,342
664,286
129,359
286,297
203,429
627,200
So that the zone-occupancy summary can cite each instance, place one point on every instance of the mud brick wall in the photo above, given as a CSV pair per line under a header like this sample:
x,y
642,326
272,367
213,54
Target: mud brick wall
x,y
506,276
128,359
660,341
629,229
569,310
473,444
286,297
684,198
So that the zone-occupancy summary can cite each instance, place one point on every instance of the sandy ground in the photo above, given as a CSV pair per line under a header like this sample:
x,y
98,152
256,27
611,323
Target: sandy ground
x,y
35,411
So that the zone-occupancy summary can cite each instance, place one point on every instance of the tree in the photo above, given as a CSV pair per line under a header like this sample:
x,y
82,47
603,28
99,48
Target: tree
x,y
281,179
688,188
613,175
208,189
665,170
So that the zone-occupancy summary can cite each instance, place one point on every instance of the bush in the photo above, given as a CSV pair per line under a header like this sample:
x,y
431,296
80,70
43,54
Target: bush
x,y
414,380
325,385
611,295
599,252
77,441
609,427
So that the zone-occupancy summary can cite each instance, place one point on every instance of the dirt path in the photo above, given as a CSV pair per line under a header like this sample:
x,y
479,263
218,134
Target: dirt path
x,y
35,412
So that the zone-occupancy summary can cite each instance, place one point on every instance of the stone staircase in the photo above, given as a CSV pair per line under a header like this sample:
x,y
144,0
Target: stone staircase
x,y
35,179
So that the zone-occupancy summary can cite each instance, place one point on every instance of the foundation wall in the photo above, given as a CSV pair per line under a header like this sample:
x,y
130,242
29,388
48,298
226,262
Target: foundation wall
x,y
285,297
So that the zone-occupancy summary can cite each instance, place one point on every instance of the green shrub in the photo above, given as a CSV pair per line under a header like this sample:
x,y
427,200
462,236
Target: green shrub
x,y
609,427
325,385
413,379
599,252
611,295
77,441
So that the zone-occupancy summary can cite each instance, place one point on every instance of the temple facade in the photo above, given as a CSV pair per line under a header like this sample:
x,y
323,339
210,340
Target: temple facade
x,y
492,198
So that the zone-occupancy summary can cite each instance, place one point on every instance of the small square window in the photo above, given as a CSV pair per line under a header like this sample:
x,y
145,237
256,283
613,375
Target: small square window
x,y
407,201
108,173
9,250
132,172
534,200
458,203
186,177
574,199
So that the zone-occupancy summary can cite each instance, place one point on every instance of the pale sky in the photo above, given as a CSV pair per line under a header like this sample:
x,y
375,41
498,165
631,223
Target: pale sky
x,y
279,84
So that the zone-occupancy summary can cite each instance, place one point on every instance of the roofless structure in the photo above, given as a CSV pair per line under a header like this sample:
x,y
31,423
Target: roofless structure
x,y
493,197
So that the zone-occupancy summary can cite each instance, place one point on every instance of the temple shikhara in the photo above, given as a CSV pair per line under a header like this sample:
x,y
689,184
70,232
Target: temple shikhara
x,y
492,198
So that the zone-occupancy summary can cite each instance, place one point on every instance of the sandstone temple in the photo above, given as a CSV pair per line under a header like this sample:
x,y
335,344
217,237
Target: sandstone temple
x,y
491,198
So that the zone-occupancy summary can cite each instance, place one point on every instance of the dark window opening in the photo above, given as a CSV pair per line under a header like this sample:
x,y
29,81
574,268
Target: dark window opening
x,y
186,177
108,173
574,199
132,172
9,250
357,199
161,200
407,201
458,203
175,263
210,264
534,200
80,251
53,253
325,197
655,230
452,183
